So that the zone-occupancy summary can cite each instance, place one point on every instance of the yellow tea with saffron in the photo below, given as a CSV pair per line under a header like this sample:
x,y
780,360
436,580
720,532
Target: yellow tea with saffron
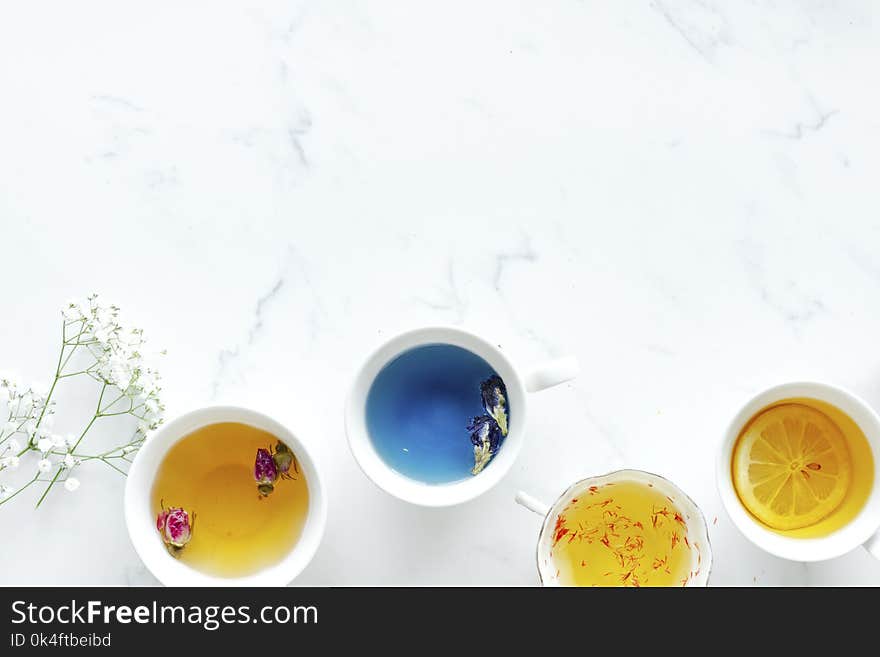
x,y
802,468
625,533
236,530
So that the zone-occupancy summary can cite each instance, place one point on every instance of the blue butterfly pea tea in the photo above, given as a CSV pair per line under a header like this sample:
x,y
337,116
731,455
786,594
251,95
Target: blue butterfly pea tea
x,y
433,413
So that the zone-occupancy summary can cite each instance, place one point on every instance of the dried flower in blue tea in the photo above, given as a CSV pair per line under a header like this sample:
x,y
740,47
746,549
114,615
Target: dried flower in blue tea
x,y
271,465
486,438
487,431
494,396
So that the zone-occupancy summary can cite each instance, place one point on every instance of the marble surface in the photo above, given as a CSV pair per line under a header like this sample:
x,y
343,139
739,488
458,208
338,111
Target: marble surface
x,y
681,193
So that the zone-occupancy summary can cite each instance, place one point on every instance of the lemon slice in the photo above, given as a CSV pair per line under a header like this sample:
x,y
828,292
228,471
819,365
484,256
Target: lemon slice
x,y
791,466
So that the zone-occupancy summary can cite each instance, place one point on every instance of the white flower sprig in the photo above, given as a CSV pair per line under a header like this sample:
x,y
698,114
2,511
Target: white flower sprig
x,y
109,354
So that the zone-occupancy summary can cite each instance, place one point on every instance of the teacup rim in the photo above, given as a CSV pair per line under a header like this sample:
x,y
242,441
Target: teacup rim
x,y
399,485
138,486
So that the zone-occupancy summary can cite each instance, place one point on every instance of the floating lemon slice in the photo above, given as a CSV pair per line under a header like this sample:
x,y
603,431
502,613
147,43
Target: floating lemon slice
x,y
791,466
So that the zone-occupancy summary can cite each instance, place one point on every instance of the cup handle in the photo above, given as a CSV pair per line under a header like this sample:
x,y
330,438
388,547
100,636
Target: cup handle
x,y
552,373
532,504
872,545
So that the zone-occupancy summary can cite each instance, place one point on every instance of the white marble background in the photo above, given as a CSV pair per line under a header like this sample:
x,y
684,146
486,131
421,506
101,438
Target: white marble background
x,y
683,193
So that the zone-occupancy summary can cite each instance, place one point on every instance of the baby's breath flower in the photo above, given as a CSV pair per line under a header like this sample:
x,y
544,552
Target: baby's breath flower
x,y
39,390
10,380
6,491
94,345
72,310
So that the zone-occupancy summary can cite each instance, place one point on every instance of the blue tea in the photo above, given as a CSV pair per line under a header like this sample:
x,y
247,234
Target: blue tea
x,y
420,411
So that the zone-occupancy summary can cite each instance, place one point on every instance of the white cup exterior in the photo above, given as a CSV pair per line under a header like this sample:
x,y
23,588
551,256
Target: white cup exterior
x,y
141,521
701,548
446,494
861,530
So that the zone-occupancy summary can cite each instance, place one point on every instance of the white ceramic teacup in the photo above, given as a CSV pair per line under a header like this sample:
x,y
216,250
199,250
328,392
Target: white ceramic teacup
x,y
701,549
861,530
141,521
446,494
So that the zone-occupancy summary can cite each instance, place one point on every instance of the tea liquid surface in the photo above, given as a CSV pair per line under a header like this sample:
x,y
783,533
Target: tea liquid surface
x,y
624,533
236,531
861,462
418,410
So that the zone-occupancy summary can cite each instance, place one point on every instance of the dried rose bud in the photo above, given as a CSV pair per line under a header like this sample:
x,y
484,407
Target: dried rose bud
x,y
265,472
175,527
160,521
283,458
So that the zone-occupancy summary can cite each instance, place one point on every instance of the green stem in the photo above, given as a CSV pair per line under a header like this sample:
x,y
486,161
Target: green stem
x,y
119,470
69,374
27,485
49,396
128,411
15,431
103,411
43,413
79,440
48,488
69,356
55,381
110,453
88,426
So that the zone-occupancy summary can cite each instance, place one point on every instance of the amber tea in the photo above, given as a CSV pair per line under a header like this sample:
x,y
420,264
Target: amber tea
x,y
230,500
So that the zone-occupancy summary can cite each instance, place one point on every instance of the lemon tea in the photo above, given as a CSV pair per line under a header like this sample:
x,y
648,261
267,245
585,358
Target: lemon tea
x,y
238,525
802,468
624,533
